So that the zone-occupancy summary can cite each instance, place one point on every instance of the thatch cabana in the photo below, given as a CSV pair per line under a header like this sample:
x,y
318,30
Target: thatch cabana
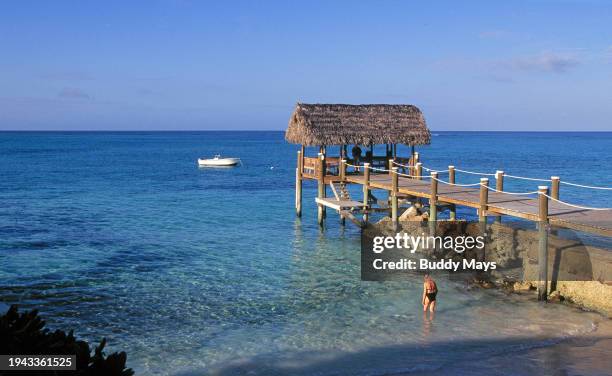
x,y
365,124
341,125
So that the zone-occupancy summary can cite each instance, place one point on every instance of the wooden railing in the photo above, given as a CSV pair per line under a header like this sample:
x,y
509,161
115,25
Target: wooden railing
x,y
332,164
311,166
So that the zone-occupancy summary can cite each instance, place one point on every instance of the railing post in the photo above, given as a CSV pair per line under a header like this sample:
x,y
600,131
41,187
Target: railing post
x,y
433,200
298,184
499,185
543,243
366,190
419,171
390,167
554,187
343,170
321,187
484,199
499,180
451,174
415,159
451,180
394,191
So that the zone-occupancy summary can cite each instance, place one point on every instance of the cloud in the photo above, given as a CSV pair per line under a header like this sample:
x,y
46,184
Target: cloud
x,y
494,34
73,93
544,62
67,76
507,35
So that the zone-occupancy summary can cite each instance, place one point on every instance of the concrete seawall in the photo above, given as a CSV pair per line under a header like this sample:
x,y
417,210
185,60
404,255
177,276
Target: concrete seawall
x,y
579,273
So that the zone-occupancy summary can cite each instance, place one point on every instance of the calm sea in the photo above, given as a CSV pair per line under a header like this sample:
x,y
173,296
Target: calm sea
x,y
121,235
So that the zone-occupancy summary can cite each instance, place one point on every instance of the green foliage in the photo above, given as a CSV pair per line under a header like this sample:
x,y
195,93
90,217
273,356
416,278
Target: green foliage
x,y
24,334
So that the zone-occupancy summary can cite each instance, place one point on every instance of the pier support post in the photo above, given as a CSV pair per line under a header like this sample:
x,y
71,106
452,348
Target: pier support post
x,y
484,200
554,187
394,189
321,188
419,171
451,180
298,185
389,193
342,174
499,185
543,243
433,200
366,190
342,171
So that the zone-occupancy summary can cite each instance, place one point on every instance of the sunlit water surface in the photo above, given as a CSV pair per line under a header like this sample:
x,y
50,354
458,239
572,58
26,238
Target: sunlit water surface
x,y
195,271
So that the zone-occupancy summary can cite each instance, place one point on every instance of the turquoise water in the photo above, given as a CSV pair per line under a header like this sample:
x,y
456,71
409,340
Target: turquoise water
x,y
193,271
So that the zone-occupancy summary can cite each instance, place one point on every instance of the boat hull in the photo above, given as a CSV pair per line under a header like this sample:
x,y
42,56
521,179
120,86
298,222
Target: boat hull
x,y
221,162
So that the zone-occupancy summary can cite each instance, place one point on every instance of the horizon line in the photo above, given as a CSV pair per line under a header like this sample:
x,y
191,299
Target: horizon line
x,y
272,130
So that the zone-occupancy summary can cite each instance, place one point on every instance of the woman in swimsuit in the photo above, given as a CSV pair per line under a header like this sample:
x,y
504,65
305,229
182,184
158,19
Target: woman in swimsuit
x,y
430,290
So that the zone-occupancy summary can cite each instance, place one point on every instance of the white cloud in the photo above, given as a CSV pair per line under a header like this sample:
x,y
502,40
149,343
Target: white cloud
x,y
544,62
73,93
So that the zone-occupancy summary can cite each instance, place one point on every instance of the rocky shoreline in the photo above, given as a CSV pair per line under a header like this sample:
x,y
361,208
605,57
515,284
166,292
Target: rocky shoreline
x,y
579,274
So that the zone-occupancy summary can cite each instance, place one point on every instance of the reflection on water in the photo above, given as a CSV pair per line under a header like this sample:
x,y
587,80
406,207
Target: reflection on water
x,y
428,320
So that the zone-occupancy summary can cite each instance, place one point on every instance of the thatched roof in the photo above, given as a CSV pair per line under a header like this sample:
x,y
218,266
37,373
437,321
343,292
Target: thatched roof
x,y
364,124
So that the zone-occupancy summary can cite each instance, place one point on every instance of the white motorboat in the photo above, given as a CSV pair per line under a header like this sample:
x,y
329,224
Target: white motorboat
x,y
217,161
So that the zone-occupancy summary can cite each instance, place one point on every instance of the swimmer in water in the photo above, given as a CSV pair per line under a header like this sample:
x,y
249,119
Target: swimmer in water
x,y
430,290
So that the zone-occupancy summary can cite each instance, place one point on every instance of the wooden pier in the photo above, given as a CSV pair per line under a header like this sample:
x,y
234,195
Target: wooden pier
x,y
404,181
496,203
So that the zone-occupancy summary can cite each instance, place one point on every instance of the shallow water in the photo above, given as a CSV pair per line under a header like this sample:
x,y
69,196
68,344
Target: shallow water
x,y
189,270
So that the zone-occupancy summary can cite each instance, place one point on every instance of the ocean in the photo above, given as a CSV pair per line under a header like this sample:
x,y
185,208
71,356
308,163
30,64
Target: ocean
x,y
208,271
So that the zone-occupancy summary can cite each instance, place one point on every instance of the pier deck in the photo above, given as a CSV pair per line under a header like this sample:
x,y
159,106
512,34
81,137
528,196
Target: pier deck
x,y
592,221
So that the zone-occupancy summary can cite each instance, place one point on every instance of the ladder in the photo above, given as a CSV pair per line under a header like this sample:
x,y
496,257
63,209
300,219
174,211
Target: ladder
x,y
342,195
340,191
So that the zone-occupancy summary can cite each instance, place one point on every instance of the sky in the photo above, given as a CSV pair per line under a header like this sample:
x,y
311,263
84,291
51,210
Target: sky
x,y
198,65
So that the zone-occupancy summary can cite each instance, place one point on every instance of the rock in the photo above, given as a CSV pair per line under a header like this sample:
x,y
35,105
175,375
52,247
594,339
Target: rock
x,y
487,285
411,212
555,296
522,286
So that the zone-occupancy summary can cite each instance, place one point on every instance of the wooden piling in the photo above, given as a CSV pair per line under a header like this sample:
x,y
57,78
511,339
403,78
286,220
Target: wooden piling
x,y
389,193
298,184
543,244
321,188
554,187
342,174
484,199
433,200
451,180
394,191
499,185
366,190
419,171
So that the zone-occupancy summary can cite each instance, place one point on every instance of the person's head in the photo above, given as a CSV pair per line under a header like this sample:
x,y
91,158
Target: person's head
x,y
426,277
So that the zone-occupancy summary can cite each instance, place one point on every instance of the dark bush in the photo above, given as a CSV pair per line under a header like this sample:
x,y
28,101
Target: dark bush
x,y
24,334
